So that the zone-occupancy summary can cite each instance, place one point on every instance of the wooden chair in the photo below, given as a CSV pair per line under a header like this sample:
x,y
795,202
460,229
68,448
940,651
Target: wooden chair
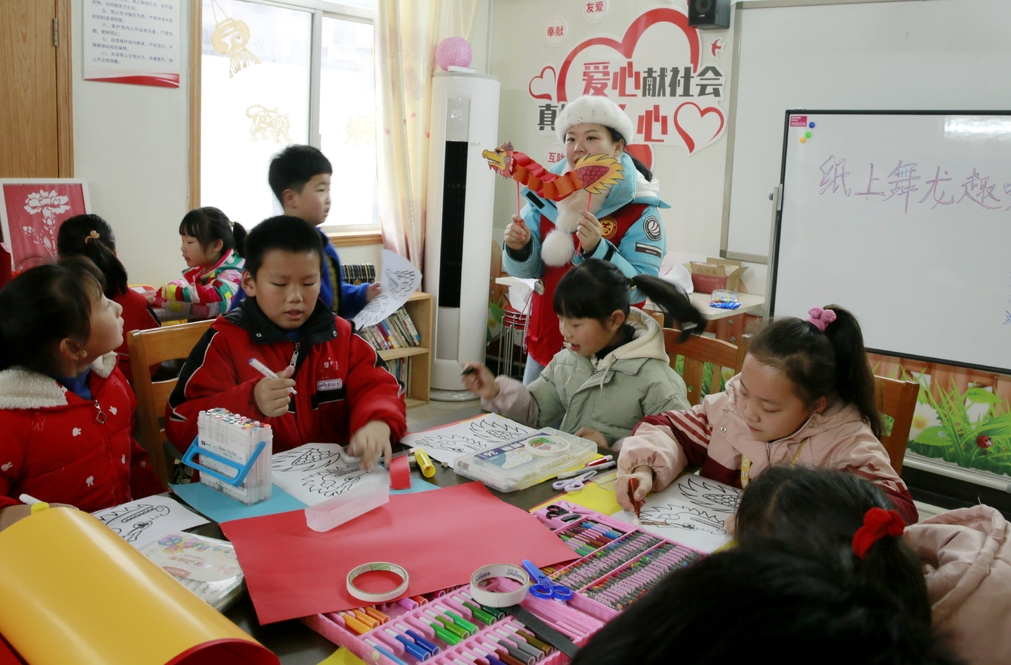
x,y
149,348
896,399
698,351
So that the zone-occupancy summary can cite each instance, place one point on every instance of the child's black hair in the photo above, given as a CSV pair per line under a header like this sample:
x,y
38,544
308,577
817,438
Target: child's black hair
x,y
76,237
822,364
594,289
825,508
43,306
294,166
773,599
639,166
285,233
209,225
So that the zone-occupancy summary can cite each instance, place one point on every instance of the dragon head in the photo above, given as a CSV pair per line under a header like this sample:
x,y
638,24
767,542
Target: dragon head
x,y
500,159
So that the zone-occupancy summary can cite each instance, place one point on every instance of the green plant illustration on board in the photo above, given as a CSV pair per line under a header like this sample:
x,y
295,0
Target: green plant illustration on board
x,y
970,428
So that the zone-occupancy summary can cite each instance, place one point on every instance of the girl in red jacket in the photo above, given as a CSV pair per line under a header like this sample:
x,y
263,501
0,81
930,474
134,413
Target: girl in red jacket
x,y
92,237
66,412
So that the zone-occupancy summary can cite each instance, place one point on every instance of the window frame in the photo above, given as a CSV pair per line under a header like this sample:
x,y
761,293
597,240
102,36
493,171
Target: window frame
x,y
345,234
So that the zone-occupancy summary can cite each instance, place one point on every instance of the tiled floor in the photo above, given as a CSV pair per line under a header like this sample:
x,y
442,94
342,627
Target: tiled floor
x,y
435,409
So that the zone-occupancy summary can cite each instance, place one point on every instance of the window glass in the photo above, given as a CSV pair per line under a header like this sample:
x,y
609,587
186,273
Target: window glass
x,y
347,120
255,77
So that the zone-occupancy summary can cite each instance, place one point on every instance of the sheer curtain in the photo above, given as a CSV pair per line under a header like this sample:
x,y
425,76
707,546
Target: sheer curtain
x,y
407,32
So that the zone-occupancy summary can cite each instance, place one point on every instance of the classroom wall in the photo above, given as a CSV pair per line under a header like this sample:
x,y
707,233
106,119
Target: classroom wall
x,y
131,144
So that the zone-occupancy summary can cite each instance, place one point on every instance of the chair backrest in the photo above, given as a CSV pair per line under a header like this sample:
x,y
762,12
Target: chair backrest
x,y
699,350
896,399
149,348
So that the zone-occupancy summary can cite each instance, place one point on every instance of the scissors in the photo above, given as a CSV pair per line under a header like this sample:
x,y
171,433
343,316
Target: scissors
x,y
556,512
543,586
574,484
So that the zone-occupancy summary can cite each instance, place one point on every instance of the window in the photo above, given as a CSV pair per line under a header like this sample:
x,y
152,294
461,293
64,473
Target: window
x,y
277,73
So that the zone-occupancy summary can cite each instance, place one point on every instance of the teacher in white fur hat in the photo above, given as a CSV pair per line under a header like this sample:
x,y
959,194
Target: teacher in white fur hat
x,y
622,226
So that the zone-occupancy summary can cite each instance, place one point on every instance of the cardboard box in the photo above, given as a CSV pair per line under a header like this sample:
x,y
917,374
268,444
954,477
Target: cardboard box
x,y
716,274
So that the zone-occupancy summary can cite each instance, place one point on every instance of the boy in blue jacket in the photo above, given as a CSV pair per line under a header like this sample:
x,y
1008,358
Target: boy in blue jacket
x,y
300,178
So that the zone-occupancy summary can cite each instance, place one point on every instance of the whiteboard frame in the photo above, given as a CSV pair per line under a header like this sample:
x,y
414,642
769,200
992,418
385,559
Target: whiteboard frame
x,y
783,192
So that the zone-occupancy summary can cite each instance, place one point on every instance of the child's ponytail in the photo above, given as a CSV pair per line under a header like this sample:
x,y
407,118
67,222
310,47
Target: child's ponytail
x,y
92,237
595,289
671,300
854,379
239,239
822,356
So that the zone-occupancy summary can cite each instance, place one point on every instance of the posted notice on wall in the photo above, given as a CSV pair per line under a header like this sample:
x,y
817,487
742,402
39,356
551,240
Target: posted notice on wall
x,y
133,41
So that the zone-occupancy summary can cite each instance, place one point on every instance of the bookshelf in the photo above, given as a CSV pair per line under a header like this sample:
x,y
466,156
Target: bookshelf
x,y
419,307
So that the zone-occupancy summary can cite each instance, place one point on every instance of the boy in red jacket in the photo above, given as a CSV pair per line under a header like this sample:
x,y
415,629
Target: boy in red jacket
x,y
332,387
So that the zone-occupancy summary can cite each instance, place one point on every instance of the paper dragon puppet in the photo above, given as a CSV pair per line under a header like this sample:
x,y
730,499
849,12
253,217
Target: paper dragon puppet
x,y
593,174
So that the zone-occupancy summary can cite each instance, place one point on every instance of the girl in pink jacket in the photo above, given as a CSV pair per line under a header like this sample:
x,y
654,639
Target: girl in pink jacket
x,y
805,395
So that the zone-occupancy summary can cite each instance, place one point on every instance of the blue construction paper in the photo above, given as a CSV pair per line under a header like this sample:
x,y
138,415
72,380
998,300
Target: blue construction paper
x,y
220,508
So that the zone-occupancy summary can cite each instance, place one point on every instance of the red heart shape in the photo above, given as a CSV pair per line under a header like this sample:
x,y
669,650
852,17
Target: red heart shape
x,y
627,44
540,77
689,141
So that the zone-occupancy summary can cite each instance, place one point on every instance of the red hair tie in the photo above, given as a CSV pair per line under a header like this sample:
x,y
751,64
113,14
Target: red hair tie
x,y
877,524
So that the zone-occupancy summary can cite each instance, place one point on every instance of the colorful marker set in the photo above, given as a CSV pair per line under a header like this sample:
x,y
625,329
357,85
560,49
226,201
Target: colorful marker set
x,y
235,438
449,630
619,563
623,587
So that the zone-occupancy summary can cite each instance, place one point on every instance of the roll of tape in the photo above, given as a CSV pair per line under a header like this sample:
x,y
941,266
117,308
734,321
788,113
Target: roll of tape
x,y
377,597
481,594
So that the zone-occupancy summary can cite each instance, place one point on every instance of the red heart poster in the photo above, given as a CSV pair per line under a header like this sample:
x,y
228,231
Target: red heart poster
x,y
31,212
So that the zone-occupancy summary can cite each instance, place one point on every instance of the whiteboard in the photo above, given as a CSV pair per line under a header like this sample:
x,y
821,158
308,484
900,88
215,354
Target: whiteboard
x,y
923,55
904,218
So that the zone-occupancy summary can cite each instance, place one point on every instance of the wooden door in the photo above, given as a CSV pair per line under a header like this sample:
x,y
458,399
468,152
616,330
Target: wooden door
x,y
36,139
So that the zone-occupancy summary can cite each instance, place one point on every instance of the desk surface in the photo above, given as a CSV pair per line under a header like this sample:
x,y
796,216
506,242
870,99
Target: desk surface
x,y
297,644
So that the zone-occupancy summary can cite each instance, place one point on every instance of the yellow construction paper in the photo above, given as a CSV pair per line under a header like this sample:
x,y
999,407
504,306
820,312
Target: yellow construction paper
x,y
74,592
342,657
597,495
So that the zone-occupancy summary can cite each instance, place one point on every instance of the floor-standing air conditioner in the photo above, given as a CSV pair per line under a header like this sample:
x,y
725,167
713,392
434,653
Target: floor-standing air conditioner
x,y
461,192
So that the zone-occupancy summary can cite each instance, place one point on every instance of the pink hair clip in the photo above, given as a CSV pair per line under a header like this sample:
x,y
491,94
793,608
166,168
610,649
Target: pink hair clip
x,y
820,318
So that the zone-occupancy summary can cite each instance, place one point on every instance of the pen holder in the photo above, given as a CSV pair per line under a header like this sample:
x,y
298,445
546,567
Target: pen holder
x,y
242,470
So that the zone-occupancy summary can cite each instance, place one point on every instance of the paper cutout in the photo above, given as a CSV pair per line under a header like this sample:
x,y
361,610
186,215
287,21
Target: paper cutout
x,y
594,173
467,436
144,521
440,537
315,472
399,279
74,592
692,511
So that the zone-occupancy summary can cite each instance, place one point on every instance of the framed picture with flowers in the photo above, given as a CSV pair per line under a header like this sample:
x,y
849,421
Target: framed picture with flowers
x,y
31,211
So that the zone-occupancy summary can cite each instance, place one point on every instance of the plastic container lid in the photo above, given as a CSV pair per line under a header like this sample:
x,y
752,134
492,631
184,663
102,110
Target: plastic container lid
x,y
345,507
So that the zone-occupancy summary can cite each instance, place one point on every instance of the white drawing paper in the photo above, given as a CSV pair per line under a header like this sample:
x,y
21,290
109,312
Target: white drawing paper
x,y
315,472
144,521
692,511
399,279
470,436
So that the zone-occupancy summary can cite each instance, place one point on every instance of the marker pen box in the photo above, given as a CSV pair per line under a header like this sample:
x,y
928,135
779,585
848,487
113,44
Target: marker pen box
x,y
345,507
526,461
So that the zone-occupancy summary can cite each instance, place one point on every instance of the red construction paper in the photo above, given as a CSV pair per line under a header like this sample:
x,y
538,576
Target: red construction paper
x,y
440,537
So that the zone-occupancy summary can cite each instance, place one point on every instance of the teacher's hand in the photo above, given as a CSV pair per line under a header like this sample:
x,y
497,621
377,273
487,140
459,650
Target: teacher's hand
x,y
517,235
588,232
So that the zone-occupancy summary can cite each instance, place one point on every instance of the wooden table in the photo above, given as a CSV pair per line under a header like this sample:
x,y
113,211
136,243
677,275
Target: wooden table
x,y
297,644
727,324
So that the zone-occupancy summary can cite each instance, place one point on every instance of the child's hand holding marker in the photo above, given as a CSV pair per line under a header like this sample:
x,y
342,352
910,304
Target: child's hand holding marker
x,y
630,489
273,393
479,380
